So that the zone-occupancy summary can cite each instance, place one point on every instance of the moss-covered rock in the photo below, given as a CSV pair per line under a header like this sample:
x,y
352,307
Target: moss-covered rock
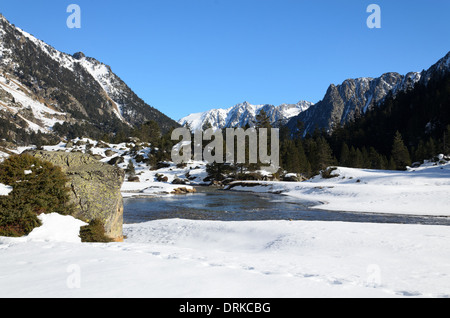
x,y
95,189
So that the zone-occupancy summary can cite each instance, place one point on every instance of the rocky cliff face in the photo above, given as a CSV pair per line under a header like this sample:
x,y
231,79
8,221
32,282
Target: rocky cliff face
x,y
354,97
351,99
95,188
440,68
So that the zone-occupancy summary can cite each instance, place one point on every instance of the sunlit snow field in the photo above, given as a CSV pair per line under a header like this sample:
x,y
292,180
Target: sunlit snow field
x,y
188,258
184,258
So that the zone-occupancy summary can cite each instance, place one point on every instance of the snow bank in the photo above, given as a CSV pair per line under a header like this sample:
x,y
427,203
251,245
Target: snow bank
x,y
420,191
150,188
189,259
4,189
57,228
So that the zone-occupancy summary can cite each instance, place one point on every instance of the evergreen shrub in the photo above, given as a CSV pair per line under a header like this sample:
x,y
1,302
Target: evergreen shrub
x,y
38,187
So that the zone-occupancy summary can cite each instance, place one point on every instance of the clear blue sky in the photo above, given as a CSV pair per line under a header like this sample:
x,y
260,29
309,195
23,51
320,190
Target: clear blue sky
x,y
185,56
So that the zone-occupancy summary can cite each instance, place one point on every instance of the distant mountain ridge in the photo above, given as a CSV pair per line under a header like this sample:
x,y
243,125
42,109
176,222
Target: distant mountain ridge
x,y
354,97
341,103
41,87
243,114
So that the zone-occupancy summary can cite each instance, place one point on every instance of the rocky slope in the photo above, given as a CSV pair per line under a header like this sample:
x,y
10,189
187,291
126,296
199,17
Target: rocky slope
x,y
41,87
354,97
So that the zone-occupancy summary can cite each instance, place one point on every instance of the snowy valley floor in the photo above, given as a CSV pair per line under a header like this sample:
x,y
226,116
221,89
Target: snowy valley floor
x,y
194,259
182,258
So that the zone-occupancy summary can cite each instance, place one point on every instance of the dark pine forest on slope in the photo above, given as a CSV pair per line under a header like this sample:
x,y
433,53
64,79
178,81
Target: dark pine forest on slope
x,y
410,127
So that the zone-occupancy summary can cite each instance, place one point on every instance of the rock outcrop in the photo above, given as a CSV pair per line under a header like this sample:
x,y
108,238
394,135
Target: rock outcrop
x,y
183,190
95,188
351,99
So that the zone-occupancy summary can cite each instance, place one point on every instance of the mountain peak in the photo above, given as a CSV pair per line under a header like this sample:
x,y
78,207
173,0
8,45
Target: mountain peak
x,y
441,67
242,114
79,55
42,87
444,63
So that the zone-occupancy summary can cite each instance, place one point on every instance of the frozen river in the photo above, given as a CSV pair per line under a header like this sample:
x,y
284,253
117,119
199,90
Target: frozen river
x,y
219,205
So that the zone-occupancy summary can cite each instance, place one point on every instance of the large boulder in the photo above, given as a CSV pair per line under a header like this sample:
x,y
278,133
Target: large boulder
x,y
95,188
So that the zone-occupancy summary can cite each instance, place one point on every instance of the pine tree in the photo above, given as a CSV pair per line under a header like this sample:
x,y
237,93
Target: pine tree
x,y
353,161
206,126
400,154
44,190
446,141
391,164
262,120
366,162
376,160
420,153
430,148
324,154
130,169
151,132
291,157
300,129
218,171
345,156
358,160
305,166
294,158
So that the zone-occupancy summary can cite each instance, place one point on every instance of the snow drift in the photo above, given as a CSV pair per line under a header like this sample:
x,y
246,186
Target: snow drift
x,y
190,259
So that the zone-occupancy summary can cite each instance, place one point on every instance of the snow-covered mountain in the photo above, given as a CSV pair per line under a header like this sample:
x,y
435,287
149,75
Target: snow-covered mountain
x,y
441,67
354,97
242,114
341,103
41,86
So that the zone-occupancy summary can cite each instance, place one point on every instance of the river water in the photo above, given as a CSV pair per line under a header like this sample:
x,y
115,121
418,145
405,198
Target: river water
x,y
220,205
